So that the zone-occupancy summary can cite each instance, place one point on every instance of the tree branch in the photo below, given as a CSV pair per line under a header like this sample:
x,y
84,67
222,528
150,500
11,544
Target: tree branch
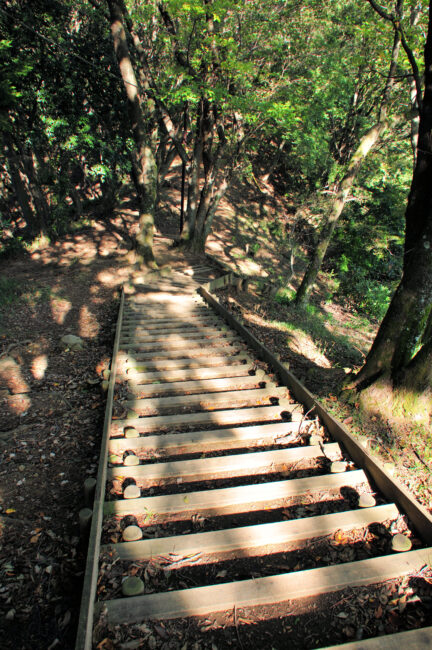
x,y
396,22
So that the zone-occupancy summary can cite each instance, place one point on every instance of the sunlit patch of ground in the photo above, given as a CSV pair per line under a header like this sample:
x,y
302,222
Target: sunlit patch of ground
x,y
60,307
39,366
88,324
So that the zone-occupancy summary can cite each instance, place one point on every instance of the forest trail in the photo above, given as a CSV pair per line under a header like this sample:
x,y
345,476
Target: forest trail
x,y
223,505
55,411
51,416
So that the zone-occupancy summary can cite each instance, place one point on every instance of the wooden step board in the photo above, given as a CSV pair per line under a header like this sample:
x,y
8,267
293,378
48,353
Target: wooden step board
x,y
205,351
219,467
174,312
214,440
174,336
219,418
264,591
137,379
178,343
129,325
241,540
130,362
411,640
235,499
203,385
235,398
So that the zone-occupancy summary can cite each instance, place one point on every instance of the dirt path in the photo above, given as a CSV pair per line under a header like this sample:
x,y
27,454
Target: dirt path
x,y
52,405
51,418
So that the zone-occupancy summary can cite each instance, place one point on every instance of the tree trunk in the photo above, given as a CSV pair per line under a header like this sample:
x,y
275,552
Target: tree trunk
x,y
22,195
39,198
402,331
367,142
145,164
192,173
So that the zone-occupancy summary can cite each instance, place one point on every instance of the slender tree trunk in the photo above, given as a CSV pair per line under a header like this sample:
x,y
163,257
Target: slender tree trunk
x,y
209,203
22,194
402,331
193,176
415,119
42,207
145,164
415,115
367,143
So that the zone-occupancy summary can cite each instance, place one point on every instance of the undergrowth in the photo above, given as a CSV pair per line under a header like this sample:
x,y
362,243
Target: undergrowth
x,y
10,291
320,326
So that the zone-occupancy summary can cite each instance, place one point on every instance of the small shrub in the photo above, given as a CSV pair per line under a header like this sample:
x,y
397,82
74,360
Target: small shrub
x,y
284,296
10,290
370,296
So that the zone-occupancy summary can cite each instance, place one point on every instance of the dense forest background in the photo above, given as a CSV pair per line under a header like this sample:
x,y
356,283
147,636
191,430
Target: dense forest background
x,y
324,101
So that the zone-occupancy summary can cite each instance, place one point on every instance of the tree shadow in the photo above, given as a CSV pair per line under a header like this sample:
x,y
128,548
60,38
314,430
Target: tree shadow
x,y
312,342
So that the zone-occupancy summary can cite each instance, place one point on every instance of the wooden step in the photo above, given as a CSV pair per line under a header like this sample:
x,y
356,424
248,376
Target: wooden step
x,y
215,440
411,640
159,297
136,379
132,365
240,540
219,467
149,299
234,499
171,324
171,312
264,591
182,333
176,320
190,353
191,387
173,306
235,398
179,343
216,418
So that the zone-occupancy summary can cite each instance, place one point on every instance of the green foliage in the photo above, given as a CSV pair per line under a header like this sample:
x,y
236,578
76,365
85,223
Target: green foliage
x,y
63,109
10,290
367,250
13,71
317,325
284,296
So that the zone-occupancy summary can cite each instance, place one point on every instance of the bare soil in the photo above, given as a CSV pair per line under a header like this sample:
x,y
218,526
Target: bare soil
x,y
51,418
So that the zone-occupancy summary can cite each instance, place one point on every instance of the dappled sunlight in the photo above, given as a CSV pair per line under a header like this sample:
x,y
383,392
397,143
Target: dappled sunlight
x,y
112,277
19,404
398,406
60,307
39,366
302,344
250,267
88,324
11,376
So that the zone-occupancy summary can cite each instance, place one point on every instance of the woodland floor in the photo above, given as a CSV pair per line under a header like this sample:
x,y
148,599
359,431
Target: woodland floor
x,y
52,406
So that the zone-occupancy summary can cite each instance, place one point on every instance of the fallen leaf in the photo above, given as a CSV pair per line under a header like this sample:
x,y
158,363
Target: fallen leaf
x,y
378,612
9,511
106,644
